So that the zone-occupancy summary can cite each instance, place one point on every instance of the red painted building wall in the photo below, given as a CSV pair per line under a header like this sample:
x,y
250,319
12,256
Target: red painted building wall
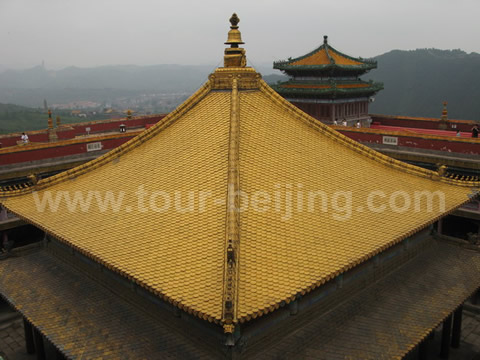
x,y
467,146
52,152
70,131
423,123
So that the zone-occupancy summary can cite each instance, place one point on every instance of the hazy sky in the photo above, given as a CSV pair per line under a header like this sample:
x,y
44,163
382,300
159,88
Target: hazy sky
x,y
99,32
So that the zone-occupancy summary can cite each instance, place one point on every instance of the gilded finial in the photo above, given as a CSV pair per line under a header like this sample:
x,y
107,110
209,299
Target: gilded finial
x,y
234,20
33,179
50,121
441,172
235,55
444,111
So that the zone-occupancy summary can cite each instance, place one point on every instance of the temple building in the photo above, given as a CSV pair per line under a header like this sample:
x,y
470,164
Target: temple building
x,y
299,242
325,84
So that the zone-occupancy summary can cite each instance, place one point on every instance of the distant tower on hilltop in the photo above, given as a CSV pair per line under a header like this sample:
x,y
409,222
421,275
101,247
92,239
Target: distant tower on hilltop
x,y
443,123
325,84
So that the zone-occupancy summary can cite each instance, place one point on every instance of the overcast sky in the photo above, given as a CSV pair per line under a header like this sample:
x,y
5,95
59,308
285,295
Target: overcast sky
x,y
99,32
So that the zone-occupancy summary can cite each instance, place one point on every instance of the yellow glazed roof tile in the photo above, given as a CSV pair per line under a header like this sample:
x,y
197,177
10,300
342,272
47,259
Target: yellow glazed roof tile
x,y
207,259
325,55
283,152
342,60
318,58
178,254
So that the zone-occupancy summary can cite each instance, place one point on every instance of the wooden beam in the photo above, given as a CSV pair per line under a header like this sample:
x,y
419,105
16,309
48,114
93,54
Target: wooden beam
x,y
472,215
11,224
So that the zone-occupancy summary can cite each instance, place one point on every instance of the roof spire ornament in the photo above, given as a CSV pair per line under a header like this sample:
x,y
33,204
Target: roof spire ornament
x,y
445,111
235,55
50,121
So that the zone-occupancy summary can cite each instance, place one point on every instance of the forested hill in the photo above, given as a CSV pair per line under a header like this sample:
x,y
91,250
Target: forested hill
x,y
417,82
18,118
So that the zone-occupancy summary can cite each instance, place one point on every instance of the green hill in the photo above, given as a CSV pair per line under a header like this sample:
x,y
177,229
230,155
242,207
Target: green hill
x,y
417,82
15,118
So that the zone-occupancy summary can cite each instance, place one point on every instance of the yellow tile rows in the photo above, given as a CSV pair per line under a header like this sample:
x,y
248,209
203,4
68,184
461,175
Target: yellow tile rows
x,y
321,57
280,258
342,60
180,255
318,58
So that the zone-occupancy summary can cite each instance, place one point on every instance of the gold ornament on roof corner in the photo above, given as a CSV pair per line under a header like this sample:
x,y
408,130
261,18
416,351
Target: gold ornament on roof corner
x,y
441,172
33,179
235,55
50,121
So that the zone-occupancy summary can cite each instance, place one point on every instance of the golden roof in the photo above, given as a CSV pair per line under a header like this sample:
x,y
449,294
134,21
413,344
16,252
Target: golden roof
x,y
234,136
322,57
325,86
325,58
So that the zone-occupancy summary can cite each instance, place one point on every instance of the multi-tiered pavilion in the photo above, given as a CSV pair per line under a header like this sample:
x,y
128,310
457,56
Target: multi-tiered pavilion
x,y
325,84
346,277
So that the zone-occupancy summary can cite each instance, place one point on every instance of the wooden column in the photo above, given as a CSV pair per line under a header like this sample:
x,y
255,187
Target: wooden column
x,y
457,327
423,350
446,331
332,111
59,355
3,234
39,346
29,343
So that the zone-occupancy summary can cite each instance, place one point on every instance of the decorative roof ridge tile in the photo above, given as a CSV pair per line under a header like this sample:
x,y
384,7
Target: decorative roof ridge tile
x,y
118,151
356,146
371,64
332,60
364,61
292,60
232,229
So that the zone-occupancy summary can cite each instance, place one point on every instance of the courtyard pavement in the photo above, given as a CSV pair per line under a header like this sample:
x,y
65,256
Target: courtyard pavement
x,y
12,341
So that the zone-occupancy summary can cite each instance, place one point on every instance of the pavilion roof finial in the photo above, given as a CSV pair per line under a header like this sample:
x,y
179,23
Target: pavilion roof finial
x,y
444,111
325,39
50,121
235,55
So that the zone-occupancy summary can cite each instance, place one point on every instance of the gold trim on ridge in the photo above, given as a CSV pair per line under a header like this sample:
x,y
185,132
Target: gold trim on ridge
x,y
232,238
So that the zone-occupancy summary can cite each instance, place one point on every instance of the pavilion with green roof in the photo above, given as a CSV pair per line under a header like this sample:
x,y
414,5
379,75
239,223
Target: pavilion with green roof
x,y
326,84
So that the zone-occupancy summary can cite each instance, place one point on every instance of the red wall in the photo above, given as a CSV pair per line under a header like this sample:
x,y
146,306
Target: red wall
x,y
96,127
464,147
11,140
423,123
59,151
73,130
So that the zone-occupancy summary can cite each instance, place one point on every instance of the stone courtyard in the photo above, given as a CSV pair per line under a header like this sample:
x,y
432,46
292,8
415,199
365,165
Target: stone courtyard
x,y
12,342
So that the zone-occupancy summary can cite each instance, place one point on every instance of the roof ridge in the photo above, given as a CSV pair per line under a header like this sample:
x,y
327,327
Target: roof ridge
x,y
118,151
290,60
360,148
332,60
232,231
363,61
